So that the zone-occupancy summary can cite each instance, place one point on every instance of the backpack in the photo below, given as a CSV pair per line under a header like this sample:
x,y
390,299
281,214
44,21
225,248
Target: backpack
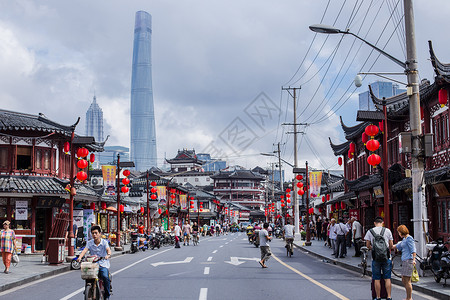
x,y
380,252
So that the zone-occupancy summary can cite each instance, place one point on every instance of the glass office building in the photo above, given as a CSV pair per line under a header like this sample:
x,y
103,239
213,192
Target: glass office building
x,y
94,121
143,133
380,89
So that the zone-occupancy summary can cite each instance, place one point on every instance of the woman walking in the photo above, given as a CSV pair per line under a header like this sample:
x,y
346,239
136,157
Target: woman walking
x,y
408,248
8,238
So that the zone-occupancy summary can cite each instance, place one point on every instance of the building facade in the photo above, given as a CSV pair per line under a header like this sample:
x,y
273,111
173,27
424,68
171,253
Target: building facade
x,y
143,131
94,121
380,89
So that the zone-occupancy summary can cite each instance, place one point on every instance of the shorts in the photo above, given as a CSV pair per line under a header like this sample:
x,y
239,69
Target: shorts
x,y
407,267
381,270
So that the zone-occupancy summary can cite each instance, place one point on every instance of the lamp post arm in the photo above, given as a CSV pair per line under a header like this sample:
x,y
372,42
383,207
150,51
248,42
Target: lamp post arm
x,y
397,61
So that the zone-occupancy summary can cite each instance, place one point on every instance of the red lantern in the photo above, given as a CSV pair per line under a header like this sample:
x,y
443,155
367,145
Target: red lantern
x,y
126,173
82,152
81,176
153,190
371,130
142,210
125,181
282,204
301,192
172,196
66,147
373,145
288,191
282,196
121,208
443,96
124,189
172,191
172,202
364,138
352,148
201,209
421,113
350,154
299,184
282,200
340,161
336,206
288,200
374,159
92,157
192,206
323,198
299,177
328,197
153,183
288,195
103,205
192,202
92,205
192,198
153,197
381,126
159,211
342,205
82,164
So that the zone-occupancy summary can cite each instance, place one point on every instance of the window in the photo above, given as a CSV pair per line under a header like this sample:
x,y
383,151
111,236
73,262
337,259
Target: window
x,y
23,158
208,179
47,160
196,179
3,158
38,159
185,180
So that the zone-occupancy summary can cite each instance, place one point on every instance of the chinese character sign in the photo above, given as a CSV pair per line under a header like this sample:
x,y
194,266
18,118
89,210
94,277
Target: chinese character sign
x,y
183,201
315,181
109,179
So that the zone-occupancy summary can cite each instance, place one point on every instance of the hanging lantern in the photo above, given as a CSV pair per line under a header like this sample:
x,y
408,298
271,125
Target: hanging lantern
x,y
192,202
192,206
82,164
81,176
421,113
159,210
153,190
288,195
282,196
371,130
282,200
282,204
172,202
82,152
126,173
153,183
124,189
172,191
191,198
66,147
121,208
299,177
153,197
381,126
340,161
92,205
350,154
172,196
288,201
288,191
352,148
103,205
337,206
201,209
301,192
125,181
374,160
364,138
299,184
443,96
342,205
328,197
92,157
373,145
323,198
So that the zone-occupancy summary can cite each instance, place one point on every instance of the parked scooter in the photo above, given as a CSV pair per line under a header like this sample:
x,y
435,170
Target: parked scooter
x,y
155,241
255,238
278,233
74,264
438,260
139,242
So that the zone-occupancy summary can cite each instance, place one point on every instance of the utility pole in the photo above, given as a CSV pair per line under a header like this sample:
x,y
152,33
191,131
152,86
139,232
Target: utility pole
x,y
273,185
308,230
296,204
419,208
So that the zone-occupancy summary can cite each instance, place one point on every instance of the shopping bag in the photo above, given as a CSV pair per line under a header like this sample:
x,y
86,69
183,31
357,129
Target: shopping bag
x,y
15,258
415,275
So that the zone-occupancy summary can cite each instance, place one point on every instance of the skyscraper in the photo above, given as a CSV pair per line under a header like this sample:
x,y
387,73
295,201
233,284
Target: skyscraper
x,y
143,133
94,121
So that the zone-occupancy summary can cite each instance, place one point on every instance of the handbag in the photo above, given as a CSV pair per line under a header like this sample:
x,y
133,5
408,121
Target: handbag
x,y
415,275
15,258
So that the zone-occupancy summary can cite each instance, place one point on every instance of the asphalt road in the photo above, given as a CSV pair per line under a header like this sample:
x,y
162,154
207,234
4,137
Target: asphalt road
x,y
224,267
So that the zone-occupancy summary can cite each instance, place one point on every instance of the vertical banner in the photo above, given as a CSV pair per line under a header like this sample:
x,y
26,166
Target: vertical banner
x,y
109,179
21,210
315,181
161,190
78,218
88,219
183,201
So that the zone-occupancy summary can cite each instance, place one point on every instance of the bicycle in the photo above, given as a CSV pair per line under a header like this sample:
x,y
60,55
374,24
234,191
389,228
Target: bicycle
x,y
195,239
289,247
397,263
364,255
94,287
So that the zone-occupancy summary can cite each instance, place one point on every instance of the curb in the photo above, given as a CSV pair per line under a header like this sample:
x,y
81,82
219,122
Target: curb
x,y
47,274
436,294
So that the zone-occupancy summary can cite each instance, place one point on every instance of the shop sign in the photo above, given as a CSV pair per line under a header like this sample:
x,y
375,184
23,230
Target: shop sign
x,y
3,201
378,192
21,210
50,202
109,179
354,213
78,217
244,214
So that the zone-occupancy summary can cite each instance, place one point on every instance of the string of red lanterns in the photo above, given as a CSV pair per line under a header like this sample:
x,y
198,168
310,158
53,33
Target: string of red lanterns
x,y
125,181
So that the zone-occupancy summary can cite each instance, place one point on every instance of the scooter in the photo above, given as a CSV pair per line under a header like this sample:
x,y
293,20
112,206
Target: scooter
x,y
255,238
74,264
155,241
134,242
436,259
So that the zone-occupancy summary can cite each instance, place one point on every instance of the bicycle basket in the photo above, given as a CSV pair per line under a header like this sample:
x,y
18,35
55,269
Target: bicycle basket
x,y
89,270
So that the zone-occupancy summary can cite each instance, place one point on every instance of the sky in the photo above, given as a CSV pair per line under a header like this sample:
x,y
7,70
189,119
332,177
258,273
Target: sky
x,y
218,68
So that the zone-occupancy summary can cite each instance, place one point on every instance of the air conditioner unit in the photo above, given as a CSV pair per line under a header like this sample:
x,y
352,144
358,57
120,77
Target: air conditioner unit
x,y
96,181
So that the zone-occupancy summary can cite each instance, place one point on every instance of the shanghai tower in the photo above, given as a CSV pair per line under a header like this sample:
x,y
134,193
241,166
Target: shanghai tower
x,y
143,133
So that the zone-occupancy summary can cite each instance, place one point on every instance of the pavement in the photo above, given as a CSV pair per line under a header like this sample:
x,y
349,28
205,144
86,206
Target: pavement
x,y
426,283
31,268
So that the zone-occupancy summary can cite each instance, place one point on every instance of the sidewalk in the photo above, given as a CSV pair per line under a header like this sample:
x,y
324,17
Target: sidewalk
x,y
426,285
31,268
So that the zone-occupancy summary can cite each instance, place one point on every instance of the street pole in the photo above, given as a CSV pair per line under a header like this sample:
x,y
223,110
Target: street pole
x,y
148,209
387,212
308,233
273,189
419,208
118,248
72,184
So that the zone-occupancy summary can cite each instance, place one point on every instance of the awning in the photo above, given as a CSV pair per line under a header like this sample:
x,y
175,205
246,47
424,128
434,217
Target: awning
x,y
111,208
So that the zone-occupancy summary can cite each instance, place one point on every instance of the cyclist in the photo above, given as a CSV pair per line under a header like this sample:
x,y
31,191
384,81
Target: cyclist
x,y
99,247
186,232
195,232
288,234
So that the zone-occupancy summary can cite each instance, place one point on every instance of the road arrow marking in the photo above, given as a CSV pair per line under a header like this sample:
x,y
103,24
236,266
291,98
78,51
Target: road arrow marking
x,y
235,260
186,261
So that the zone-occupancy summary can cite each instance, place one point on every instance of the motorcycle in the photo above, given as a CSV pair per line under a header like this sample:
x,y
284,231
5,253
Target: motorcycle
x,y
437,260
255,238
155,241
250,235
278,233
74,264
139,242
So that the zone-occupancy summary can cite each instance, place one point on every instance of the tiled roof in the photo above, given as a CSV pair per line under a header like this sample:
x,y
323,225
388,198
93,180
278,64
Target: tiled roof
x,y
237,174
431,177
353,131
31,185
364,182
442,70
339,149
14,121
337,186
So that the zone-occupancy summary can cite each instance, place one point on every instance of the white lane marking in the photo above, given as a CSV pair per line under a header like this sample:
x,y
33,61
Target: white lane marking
x,y
206,271
117,272
226,243
203,294
235,260
185,261
209,258
220,246
215,251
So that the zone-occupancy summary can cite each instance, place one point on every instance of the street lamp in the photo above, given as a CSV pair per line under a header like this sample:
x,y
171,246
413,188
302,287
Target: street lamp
x,y
410,67
270,154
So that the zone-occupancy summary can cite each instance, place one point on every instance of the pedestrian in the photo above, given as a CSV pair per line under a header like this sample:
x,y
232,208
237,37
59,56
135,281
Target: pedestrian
x,y
141,228
341,230
8,238
319,228
325,232
408,248
349,236
264,245
357,236
379,240
332,235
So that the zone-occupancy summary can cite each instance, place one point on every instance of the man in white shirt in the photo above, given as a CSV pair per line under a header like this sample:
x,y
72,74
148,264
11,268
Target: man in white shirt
x,y
357,236
177,231
288,232
332,235
341,231
264,239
